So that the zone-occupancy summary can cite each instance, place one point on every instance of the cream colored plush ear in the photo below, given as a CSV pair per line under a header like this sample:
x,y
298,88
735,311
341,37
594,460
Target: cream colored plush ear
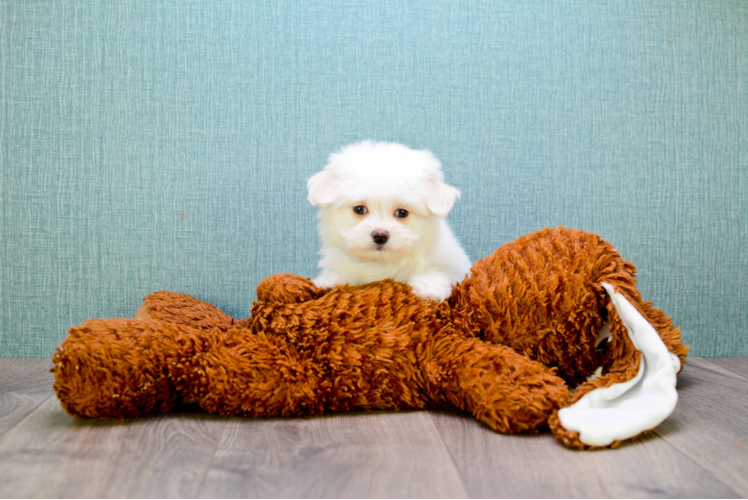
x,y
625,410
322,188
440,197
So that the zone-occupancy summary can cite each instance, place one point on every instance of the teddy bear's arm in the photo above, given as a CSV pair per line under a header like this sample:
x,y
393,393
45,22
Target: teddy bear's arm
x,y
182,309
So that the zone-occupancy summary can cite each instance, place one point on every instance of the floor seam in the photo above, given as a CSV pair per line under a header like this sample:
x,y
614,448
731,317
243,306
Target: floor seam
x,y
708,360
688,457
219,442
10,431
451,456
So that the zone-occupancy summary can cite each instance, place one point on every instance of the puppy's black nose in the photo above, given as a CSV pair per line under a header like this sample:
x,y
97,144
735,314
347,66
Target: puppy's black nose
x,y
380,236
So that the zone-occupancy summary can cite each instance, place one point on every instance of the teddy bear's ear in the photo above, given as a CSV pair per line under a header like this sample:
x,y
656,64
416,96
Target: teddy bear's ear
x,y
440,197
624,410
322,188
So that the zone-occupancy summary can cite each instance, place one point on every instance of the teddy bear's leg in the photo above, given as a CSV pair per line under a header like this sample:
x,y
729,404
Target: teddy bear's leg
x,y
634,396
123,368
504,389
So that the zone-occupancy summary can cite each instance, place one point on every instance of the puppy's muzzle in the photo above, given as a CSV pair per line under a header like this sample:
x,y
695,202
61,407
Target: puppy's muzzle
x,y
380,236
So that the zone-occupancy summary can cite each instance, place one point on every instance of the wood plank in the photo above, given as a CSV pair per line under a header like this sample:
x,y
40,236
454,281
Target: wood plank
x,y
538,466
51,454
378,454
700,451
26,375
15,407
710,423
736,365
25,383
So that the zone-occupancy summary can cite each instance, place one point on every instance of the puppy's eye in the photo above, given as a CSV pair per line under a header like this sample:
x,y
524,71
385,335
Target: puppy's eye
x,y
401,213
359,210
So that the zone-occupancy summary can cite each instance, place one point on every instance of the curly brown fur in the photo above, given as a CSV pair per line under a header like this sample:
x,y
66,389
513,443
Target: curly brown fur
x,y
506,346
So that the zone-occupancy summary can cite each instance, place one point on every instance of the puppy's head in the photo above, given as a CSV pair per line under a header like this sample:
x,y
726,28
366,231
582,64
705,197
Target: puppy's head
x,y
380,200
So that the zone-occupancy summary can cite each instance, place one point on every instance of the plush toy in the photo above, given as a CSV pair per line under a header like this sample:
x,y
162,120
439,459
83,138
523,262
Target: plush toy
x,y
549,331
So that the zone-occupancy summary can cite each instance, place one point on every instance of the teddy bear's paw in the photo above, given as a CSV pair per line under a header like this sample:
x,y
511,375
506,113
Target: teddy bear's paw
x,y
625,410
288,289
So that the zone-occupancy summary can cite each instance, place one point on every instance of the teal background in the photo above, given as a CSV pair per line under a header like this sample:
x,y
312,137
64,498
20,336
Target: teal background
x,y
165,145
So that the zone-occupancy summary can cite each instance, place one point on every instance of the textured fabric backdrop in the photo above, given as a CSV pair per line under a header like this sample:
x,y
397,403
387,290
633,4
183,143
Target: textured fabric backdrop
x,y
165,145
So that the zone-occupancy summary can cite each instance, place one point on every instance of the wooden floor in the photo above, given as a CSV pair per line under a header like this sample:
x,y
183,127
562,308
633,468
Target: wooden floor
x,y
700,451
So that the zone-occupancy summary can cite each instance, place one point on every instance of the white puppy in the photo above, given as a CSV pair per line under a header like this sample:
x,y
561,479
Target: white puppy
x,y
382,215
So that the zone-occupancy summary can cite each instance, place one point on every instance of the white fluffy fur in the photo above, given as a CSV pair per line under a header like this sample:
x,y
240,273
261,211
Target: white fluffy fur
x,y
384,177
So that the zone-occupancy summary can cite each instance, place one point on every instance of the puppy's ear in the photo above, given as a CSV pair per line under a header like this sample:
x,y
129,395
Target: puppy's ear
x,y
322,188
440,197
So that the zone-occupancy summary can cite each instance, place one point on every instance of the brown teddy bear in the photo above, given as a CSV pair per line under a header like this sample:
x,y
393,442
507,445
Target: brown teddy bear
x,y
554,311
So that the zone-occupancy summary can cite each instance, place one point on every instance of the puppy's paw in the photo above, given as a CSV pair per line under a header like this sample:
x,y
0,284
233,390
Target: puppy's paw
x,y
326,281
431,286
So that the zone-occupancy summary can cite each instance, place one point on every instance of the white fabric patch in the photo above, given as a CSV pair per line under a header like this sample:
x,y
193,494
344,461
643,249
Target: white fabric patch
x,y
625,410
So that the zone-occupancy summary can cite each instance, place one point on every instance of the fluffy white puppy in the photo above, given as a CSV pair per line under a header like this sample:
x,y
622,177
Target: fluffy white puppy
x,y
382,215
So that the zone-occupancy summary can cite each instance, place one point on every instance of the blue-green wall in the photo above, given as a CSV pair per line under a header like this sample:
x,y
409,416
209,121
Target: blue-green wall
x,y
165,145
